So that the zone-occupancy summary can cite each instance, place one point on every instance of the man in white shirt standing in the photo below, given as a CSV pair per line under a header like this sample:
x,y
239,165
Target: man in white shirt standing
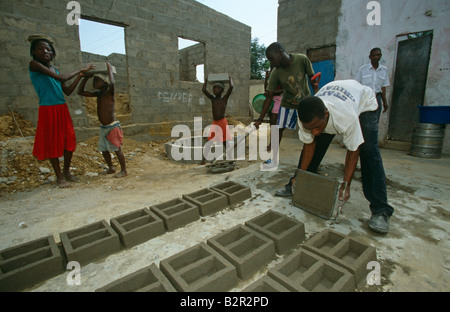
x,y
375,76
347,108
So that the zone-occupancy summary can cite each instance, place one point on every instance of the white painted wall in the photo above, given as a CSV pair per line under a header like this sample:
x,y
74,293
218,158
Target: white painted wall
x,y
356,38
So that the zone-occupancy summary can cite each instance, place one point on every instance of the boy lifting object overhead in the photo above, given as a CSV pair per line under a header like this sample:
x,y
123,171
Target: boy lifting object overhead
x,y
219,106
111,134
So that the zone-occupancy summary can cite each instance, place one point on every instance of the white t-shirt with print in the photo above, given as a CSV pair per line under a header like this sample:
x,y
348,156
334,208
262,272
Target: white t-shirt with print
x,y
345,101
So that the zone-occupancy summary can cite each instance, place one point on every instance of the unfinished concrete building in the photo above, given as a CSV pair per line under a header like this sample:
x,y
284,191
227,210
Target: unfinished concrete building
x,y
162,90
338,36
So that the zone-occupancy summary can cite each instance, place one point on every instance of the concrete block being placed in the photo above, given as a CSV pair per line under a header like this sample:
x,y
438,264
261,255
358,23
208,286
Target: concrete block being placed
x,y
199,269
246,249
207,201
286,232
344,251
137,227
234,192
304,271
29,264
90,243
315,194
266,284
149,279
176,213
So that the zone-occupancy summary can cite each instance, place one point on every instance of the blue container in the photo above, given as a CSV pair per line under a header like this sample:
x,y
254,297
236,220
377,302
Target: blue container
x,y
434,114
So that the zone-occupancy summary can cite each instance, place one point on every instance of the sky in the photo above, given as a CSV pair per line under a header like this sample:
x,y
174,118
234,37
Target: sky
x,y
260,15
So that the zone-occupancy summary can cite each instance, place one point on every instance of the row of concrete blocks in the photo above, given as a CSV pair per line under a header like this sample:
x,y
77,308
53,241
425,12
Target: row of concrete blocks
x,y
329,261
28,264
218,264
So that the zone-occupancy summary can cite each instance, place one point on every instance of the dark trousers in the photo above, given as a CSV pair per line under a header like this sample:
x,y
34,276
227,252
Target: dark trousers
x,y
380,105
372,169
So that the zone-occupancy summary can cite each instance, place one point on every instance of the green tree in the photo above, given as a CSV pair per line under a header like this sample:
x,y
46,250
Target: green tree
x,y
259,64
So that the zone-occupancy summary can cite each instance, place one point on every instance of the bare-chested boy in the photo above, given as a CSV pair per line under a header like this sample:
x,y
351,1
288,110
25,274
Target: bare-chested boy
x,y
219,106
111,134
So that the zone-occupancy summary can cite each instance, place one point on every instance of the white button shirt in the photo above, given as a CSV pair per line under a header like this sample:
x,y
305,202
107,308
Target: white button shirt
x,y
375,79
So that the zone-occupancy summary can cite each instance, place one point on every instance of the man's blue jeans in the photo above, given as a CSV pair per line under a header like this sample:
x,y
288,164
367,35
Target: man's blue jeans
x,y
372,169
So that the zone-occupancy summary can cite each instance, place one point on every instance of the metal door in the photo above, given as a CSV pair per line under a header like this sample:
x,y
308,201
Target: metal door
x,y
410,80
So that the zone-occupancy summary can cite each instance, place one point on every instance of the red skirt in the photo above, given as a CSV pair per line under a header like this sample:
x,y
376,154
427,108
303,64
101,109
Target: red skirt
x,y
55,133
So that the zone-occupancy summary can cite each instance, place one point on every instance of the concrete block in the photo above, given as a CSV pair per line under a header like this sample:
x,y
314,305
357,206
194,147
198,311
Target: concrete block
x,y
344,251
266,284
315,194
234,192
29,264
176,213
199,269
304,271
137,227
207,201
220,77
101,68
90,243
149,279
286,232
246,249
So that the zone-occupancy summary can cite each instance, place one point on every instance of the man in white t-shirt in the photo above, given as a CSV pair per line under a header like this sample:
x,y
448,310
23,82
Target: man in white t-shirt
x,y
347,108
375,76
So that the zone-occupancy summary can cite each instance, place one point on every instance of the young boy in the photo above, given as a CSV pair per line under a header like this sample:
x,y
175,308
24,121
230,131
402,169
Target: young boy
x,y
219,105
111,135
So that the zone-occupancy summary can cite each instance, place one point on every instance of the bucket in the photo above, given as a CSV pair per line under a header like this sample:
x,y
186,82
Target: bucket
x,y
427,140
258,102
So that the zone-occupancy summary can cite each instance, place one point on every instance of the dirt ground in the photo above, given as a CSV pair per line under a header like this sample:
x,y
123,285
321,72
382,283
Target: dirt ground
x,y
414,255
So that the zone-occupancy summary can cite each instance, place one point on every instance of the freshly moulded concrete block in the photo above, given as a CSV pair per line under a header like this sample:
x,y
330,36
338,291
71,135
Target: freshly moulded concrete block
x,y
149,279
234,192
137,227
90,243
199,269
219,77
286,232
29,264
266,284
246,249
315,194
344,251
304,271
176,213
207,201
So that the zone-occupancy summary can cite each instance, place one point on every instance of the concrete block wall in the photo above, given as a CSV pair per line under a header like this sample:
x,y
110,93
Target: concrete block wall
x,y
190,57
315,23
119,61
152,29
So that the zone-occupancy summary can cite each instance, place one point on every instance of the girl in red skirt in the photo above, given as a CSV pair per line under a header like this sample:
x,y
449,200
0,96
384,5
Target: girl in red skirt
x,y
55,135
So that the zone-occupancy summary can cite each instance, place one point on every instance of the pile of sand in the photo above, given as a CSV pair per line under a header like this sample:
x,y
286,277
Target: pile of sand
x,y
21,171
13,129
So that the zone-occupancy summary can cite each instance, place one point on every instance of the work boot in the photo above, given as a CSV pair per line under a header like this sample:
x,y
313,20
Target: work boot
x,y
379,223
285,191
